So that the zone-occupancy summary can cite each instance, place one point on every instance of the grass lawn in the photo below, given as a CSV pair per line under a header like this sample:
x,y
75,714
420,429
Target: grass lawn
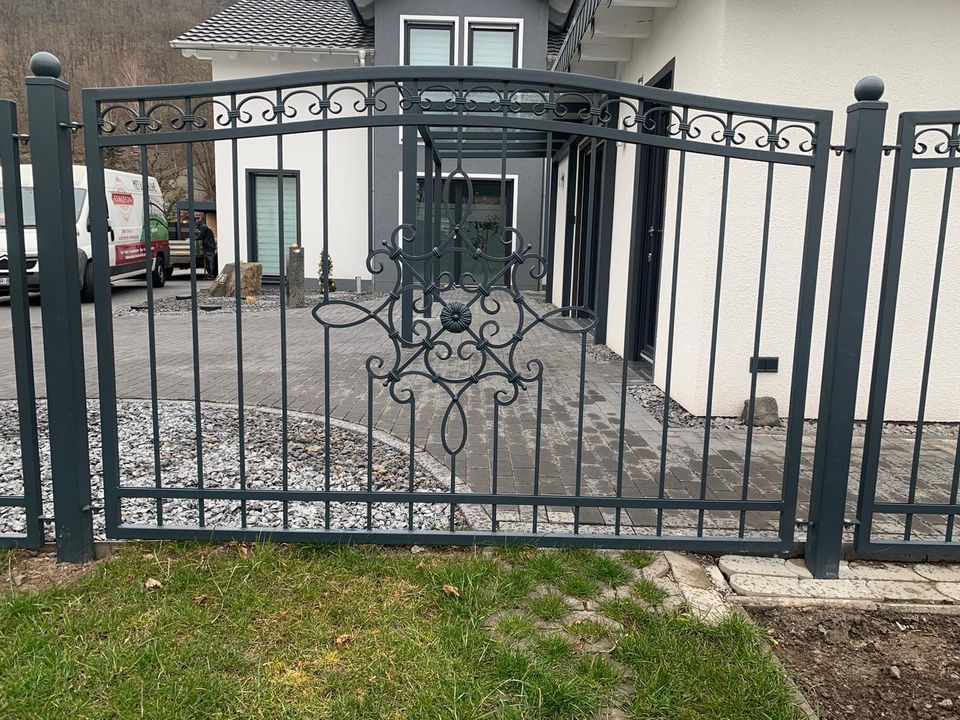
x,y
201,631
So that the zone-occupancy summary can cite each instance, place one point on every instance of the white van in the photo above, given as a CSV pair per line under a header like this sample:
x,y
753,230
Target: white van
x,y
125,224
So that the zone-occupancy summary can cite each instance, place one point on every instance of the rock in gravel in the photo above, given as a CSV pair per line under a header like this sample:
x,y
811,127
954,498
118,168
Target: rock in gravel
x,y
765,412
946,704
894,672
251,276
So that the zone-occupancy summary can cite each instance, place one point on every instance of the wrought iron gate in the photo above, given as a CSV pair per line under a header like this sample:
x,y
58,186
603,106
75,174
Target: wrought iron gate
x,y
446,340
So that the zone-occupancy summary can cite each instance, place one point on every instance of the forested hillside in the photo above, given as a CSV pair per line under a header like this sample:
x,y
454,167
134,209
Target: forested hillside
x,y
104,43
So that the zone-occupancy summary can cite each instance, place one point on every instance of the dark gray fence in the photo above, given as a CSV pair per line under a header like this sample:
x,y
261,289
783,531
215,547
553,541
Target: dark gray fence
x,y
434,320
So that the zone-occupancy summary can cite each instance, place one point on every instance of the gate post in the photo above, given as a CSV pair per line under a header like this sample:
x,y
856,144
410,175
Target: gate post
x,y
857,207
50,143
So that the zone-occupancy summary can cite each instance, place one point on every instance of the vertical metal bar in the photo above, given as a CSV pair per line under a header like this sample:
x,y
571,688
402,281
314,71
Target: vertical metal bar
x,y
859,182
931,328
428,240
629,328
883,342
604,239
711,371
282,242
370,173
325,265
49,114
537,448
20,322
580,398
412,467
503,182
151,324
194,321
238,304
495,474
670,328
589,238
106,361
453,490
547,240
369,447
757,331
409,212
810,258
954,486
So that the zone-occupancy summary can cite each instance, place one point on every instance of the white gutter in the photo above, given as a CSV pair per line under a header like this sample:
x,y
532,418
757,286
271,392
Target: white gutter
x,y
191,49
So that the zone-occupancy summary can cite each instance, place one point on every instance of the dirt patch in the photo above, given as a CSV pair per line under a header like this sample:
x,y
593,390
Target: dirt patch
x,y
870,665
32,571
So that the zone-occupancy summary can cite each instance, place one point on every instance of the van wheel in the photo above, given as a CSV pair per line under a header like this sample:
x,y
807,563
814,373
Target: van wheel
x,y
86,287
160,272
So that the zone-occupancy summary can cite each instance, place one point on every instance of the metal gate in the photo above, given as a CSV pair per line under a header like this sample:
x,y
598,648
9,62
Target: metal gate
x,y
473,360
22,512
926,494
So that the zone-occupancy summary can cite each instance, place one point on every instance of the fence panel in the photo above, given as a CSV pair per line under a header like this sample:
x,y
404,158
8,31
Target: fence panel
x,y
21,505
913,512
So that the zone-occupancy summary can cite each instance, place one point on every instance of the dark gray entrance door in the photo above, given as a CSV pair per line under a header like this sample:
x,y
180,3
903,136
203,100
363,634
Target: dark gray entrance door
x,y
651,237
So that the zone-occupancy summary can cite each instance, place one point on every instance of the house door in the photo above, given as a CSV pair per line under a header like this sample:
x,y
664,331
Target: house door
x,y
651,235
481,219
584,271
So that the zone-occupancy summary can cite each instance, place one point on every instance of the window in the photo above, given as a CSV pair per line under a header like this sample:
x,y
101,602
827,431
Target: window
x,y
429,43
493,45
263,207
29,215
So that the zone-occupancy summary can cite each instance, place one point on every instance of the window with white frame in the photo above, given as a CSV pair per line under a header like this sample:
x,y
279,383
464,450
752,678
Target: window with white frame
x,y
493,45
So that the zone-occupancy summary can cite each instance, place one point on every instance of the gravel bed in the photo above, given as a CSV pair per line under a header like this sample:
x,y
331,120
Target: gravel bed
x,y
267,301
602,354
651,398
263,446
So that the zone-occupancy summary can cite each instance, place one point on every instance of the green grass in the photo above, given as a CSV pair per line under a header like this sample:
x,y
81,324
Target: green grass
x,y
638,559
313,632
649,592
685,670
548,607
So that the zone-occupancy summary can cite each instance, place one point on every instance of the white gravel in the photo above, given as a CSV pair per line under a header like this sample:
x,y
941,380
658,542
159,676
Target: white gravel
x,y
267,301
263,446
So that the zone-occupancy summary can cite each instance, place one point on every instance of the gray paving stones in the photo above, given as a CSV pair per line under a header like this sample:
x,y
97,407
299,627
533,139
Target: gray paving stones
x,y
950,590
883,571
938,572
735,564
767,585
899,591
840,589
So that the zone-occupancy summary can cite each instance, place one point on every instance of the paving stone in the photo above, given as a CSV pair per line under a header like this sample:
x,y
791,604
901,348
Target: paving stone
x,y
767,585
658,568
938,572
841,589
950,590
897,591
688,572
776,567
861,570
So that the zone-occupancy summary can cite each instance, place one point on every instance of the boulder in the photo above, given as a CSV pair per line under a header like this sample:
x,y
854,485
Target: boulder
x,y
251,276
765,413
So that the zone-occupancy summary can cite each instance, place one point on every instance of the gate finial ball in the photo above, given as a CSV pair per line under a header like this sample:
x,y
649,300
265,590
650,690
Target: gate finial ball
x,y
44,64
869,89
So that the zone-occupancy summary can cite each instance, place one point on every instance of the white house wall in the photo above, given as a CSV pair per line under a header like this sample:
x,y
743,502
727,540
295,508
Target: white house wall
x,y
794,53
347,189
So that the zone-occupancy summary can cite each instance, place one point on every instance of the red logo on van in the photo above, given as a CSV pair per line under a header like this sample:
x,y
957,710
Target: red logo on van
x,y
122,198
